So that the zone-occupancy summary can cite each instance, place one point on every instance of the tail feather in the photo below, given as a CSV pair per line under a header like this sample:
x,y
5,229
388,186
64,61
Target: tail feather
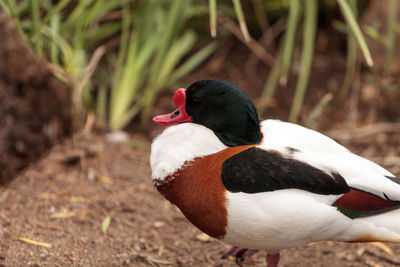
x,y
377,225
394,179
383,227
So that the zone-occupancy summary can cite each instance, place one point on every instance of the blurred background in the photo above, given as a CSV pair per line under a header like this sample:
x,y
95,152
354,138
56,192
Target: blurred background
x,y
93,73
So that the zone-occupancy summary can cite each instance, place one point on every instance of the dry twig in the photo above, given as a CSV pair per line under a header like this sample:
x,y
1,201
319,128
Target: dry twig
x,y
252,44
33,242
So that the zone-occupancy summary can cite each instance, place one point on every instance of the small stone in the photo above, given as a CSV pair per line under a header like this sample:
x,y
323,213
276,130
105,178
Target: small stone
x,y
91,175
117,137
158,224
203,237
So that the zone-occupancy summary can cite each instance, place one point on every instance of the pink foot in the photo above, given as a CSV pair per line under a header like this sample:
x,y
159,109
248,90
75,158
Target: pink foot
x,y
273,259
240,254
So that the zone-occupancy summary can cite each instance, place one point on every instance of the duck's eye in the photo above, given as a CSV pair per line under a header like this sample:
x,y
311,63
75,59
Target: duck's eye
x,y
196,98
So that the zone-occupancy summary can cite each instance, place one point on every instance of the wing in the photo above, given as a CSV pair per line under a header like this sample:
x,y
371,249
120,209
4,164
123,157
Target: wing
x,y
256,170
372,187
323,153
356,203
284,134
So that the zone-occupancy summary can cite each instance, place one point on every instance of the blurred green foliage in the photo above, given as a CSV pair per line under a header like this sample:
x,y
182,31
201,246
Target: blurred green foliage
x,y
128,51
146,42
305,12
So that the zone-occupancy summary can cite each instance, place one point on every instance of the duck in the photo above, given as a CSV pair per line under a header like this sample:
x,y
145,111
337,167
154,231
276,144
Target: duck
x,y
266,185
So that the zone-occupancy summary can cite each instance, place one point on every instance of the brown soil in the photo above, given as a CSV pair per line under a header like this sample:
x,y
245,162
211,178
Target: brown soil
x,y
31,119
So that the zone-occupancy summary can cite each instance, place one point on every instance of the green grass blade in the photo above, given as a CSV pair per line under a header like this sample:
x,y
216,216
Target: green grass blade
x,y
132,78
374,34
261,15
351,59
101,106
11,7
6,7
102,33
56,9
213,17
271,83
391,35
55,28
172,27
101,8
242,22
175,53
317,110
124,43
130,113
310,26
349,16
75,17
98,9
192,62
80,26
133,63
38,41
294,15
23,8
58,40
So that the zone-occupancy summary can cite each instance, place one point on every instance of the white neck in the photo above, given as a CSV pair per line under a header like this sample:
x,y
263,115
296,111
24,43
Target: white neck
x,y
179,144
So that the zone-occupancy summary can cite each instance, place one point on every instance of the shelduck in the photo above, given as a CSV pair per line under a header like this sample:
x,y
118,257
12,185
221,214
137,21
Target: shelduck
x,y
266,185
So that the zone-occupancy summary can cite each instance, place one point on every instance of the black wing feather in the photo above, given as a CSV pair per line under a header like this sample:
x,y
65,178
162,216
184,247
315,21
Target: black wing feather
x,y
393,179
256,170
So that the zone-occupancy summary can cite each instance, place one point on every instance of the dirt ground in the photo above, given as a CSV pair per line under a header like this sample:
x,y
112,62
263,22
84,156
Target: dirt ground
x,y
31,119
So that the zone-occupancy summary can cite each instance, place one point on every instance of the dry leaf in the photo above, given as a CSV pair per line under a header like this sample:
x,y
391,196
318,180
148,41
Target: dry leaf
x,y
383,247
92,174
105,179
105,224
61,215
76,199
372,263
4,218
33,242
47,195
4,195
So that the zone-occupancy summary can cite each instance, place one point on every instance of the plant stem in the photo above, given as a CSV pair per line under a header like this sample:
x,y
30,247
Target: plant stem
x,y
294,15
12,8
351,58
391,35
310,26
351,21
36,27
271,83
213,17
242,21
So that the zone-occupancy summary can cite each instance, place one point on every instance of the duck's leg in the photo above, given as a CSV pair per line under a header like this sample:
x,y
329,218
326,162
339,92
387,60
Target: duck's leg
x,y
240,254
273,259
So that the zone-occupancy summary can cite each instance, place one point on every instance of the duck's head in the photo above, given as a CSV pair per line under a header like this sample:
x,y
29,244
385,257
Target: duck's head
x,y
219,106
